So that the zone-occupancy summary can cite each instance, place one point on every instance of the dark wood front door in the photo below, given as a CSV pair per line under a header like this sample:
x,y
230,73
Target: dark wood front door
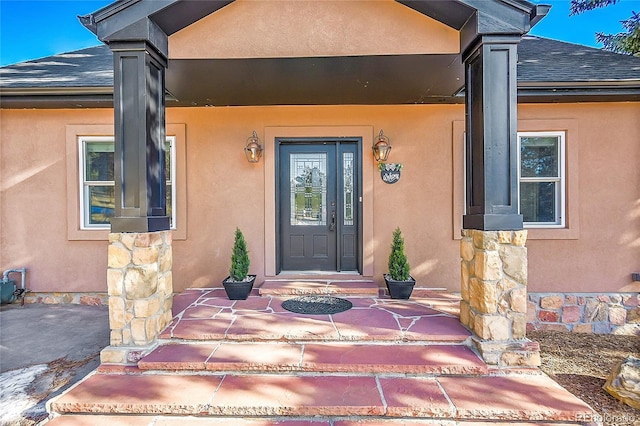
x,y
318,200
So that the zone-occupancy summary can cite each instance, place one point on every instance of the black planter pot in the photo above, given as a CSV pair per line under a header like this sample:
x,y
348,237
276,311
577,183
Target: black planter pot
x,y
238,290
399,289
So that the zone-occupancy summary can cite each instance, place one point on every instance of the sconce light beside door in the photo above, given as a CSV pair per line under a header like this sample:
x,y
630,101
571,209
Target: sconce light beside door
x,y
381,148
253,149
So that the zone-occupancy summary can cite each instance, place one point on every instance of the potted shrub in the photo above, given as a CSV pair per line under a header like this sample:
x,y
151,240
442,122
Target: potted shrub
x,y
399,282
239,283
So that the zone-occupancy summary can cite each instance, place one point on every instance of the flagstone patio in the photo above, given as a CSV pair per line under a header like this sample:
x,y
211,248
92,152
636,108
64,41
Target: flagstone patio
x,y
251,362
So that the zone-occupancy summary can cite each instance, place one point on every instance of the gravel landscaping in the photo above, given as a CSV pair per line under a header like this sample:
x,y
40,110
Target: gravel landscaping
x,y
581,363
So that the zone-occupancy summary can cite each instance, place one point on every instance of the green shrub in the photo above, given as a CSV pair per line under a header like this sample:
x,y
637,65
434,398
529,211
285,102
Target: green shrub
x,y
239,258
398,265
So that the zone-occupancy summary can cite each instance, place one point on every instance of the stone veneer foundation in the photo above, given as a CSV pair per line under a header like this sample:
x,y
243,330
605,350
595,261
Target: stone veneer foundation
x,y
494,296
62,298
602,313
140,289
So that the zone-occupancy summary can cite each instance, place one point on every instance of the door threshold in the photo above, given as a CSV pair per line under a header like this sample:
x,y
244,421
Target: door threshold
x,y
287,273
319,275
348,285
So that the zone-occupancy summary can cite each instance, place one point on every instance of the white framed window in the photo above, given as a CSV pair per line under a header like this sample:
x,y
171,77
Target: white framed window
x,y
97,184
541,176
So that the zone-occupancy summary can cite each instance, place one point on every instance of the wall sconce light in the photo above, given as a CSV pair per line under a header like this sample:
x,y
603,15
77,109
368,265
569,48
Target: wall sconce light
x,y
253,149
381,148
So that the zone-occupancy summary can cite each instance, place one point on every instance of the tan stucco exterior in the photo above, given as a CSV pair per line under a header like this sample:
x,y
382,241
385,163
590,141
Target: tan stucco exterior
x,y
274,29
219,190
605,202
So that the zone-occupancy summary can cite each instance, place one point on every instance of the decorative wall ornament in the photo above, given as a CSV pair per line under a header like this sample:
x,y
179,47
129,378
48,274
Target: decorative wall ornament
x,y
390,172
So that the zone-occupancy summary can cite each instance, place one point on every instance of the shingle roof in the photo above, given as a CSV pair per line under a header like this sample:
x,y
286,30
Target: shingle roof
x,y
544,66
91,67
545,60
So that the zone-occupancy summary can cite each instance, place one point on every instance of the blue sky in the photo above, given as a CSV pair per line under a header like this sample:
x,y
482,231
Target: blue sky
x,y
31,29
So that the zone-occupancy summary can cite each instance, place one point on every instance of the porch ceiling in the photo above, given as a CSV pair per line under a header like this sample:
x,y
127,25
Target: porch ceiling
x,y
356,80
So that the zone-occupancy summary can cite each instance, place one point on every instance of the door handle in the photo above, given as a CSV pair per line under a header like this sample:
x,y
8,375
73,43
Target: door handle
x,y
332,225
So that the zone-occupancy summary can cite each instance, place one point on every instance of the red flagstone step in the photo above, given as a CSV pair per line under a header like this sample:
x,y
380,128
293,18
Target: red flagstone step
x,y
382,363
331,397
327,357
114,420
328,286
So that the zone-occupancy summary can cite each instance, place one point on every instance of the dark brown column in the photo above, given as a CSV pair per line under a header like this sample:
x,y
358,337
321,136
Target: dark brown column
x,y
491,132
139,87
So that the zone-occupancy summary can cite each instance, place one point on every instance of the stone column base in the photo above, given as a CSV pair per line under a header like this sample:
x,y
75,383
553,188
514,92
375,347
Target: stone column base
x,y
521,353
125,355
140,288
494,296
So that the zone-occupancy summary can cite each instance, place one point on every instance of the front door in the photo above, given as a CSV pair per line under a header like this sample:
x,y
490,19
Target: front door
x,y
318,201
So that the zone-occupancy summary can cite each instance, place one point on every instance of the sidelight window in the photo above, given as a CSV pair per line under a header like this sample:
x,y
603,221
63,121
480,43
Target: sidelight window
x,y
347,167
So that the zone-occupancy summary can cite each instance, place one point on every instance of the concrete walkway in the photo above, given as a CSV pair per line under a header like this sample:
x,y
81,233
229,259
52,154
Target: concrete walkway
x,y
384,362
39,334
44,349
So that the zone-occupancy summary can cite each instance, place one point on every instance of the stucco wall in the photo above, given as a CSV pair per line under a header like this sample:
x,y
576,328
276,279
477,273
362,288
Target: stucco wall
x,y
606,249
33,206
235,189
223,190
250,29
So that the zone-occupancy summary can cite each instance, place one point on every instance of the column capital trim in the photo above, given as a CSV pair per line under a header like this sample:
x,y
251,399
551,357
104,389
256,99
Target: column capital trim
x,y
123,47
489,39
140,224
144,32
493,222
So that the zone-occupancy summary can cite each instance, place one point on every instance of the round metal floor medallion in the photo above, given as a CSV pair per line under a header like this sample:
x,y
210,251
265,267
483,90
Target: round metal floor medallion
x,y
317,305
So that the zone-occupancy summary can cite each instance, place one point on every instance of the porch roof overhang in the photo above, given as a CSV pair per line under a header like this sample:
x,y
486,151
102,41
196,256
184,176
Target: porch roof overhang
x,y
354,80
329,80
